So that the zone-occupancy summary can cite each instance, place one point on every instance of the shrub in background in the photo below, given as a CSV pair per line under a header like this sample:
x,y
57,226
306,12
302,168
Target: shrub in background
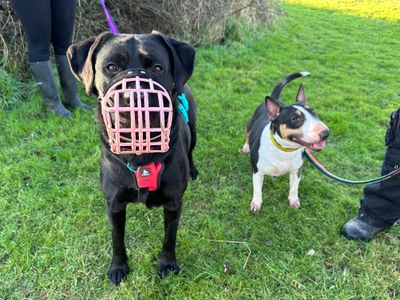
x,y
12,40
197,21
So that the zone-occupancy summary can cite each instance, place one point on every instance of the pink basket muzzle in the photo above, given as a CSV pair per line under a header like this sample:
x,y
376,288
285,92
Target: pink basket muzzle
x,y
137,113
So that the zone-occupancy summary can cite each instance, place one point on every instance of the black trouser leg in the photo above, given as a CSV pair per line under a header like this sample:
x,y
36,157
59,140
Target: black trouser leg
x,y
36,21
62,24
62,28
381,203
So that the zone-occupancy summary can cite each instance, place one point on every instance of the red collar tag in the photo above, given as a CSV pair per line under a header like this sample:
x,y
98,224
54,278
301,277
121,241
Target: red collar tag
x,y
148,176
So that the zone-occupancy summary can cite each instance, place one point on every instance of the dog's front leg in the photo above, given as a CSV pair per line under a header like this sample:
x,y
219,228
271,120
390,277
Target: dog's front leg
x,y
258,180
168,259
294,200
119,265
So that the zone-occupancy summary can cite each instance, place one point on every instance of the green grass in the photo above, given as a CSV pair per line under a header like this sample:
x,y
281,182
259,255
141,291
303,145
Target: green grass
x,y
12,91
54,236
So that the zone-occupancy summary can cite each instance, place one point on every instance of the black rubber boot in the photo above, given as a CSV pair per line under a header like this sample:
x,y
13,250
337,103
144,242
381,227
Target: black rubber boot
x,y
68,83
43,74
357,229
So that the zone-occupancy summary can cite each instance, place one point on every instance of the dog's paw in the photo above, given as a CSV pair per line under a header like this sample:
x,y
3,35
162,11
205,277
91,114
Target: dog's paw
x,y
255,206
294,202
246,149
193,173
167,267
118,272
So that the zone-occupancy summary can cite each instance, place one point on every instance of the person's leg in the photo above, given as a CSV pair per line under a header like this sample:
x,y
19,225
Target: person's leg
x,y
62,18
35,18
381,203
63,15
380,207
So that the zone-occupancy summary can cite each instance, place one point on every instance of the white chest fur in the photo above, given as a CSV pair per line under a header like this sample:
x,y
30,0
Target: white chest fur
x,y
273,161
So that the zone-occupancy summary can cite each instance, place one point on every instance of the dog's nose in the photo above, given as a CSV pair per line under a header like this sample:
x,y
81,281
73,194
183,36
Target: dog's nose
x,y
324,134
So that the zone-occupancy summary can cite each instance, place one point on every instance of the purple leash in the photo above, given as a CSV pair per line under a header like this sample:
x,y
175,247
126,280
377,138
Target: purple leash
x,y
110,20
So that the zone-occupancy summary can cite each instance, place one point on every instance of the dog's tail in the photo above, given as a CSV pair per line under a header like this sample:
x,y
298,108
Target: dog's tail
x,y
278,89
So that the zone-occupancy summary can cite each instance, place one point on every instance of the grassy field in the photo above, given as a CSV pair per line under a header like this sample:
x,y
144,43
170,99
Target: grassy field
x,y
375,9
54,236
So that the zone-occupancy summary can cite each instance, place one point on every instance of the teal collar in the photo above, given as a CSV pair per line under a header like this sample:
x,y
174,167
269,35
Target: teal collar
x,y
183,106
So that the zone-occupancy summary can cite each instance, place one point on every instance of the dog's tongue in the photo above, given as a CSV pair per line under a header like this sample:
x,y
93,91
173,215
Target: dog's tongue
x,y
318,146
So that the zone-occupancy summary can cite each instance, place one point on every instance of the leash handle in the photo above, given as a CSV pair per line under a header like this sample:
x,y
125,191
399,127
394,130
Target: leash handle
x,y
111,24
318,164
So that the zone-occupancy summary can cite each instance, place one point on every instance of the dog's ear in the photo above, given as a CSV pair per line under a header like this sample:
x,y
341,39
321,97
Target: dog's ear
x,y
273,108
301,96
182,57
81,57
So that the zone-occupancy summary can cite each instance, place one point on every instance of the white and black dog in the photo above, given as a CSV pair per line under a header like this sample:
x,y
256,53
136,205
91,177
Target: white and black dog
x,y
276,136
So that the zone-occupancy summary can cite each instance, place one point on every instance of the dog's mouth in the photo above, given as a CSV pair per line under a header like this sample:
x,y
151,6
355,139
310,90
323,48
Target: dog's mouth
x,y
137,113
317,146
134,119
130,124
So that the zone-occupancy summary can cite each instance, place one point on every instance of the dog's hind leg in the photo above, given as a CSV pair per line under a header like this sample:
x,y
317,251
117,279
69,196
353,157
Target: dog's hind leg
x,y
246,146
193,133
119,265
193,136
258,180
193,139
294,200
168,259
192,167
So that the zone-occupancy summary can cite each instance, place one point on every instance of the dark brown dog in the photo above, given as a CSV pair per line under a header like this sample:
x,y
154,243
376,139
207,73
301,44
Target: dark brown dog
x,y
95,62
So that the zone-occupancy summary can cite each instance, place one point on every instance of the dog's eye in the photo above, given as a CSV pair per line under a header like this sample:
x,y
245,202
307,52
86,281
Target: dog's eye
x,y
295,118
112,68
157,69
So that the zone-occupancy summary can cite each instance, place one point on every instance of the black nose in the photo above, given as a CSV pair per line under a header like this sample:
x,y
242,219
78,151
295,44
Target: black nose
x,y
324,134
